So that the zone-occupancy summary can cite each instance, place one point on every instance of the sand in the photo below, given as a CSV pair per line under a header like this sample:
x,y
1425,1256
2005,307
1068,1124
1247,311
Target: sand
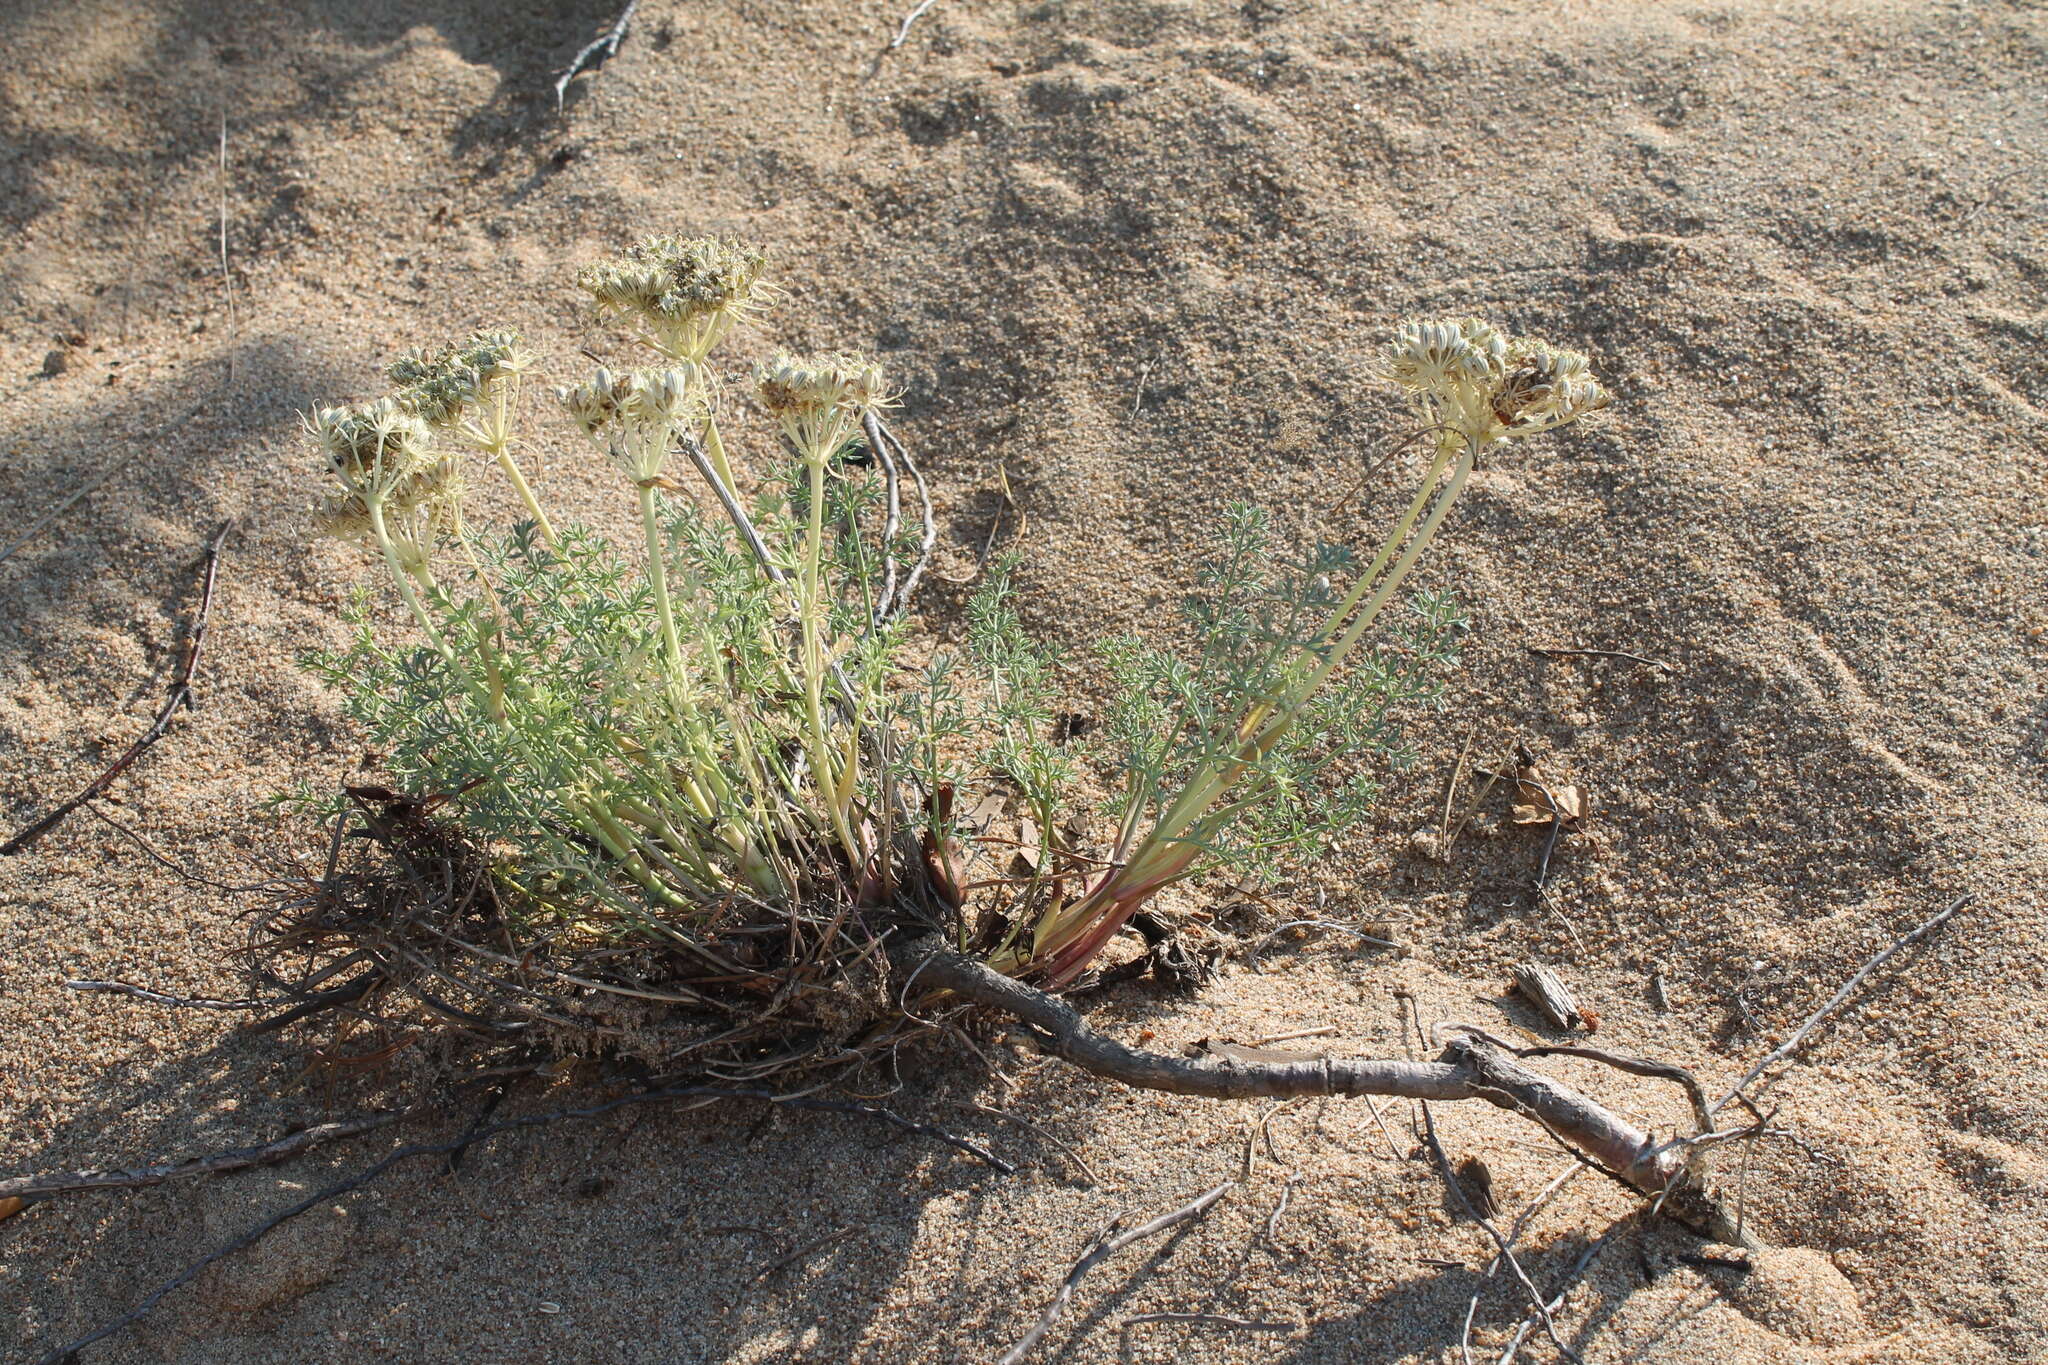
x,y
1135,256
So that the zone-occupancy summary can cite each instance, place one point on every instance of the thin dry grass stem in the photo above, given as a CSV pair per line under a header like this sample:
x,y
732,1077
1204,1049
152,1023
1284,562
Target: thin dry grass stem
x,y
1834,1002
1071,1152
1262,1131
1108,1243
180,696
1443,1165
227,282
1514,1233
185,1002
903,29
184,873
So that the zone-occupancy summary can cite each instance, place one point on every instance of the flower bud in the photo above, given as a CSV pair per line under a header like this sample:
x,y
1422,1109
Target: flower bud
x,y
689,292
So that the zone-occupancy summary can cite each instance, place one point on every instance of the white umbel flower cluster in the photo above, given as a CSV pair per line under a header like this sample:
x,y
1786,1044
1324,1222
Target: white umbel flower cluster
x,y
636,416
689,292
1489,387
820,400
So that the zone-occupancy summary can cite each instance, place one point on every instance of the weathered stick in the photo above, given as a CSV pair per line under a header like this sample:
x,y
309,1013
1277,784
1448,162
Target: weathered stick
x,y
180,696
184,1002
31,1188
1107,1243
1505,1248
1469,1069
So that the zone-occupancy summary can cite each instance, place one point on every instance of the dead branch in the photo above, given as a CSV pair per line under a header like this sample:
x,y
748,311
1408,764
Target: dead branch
x,y
606,42
180,696
1071,1152
1834,1002
903,30
1469,1068
1108,1243
1556,1303
32,1188
184,1002
1546,990
1514,1233
64,1354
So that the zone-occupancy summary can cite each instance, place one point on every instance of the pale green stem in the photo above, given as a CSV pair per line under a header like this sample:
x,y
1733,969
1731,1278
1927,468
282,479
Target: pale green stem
x,y
402,575
812,611
1152,865
714,448
501,450
1209,783
657,575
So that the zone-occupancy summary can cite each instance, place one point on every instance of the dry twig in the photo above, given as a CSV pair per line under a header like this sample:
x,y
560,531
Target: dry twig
x,y
816,1244
38,1187
1108,1243
1834,1002
1515,1230
1558,653
1443,1165
180,696
183,1002
1469,1068
607,43
1072,1152
903,30
227,282
33,1188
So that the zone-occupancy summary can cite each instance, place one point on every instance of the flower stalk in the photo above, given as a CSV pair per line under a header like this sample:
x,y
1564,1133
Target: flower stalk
x,y
1476,388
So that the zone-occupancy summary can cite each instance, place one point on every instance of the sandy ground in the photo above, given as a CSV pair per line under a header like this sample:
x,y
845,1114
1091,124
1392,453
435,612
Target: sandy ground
x,y
1136,255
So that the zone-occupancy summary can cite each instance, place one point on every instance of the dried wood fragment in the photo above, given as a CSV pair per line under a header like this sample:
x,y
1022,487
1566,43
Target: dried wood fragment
x,y
1544,989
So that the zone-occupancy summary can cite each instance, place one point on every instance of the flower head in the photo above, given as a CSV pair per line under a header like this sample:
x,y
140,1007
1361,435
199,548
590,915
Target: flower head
x,y
372,447
689,291
1487,387
821,399
426,500
1546,387
442,386
634,417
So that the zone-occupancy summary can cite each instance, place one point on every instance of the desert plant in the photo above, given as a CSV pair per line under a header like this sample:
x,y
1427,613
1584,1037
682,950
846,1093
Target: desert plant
x,y
699,770
685,802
